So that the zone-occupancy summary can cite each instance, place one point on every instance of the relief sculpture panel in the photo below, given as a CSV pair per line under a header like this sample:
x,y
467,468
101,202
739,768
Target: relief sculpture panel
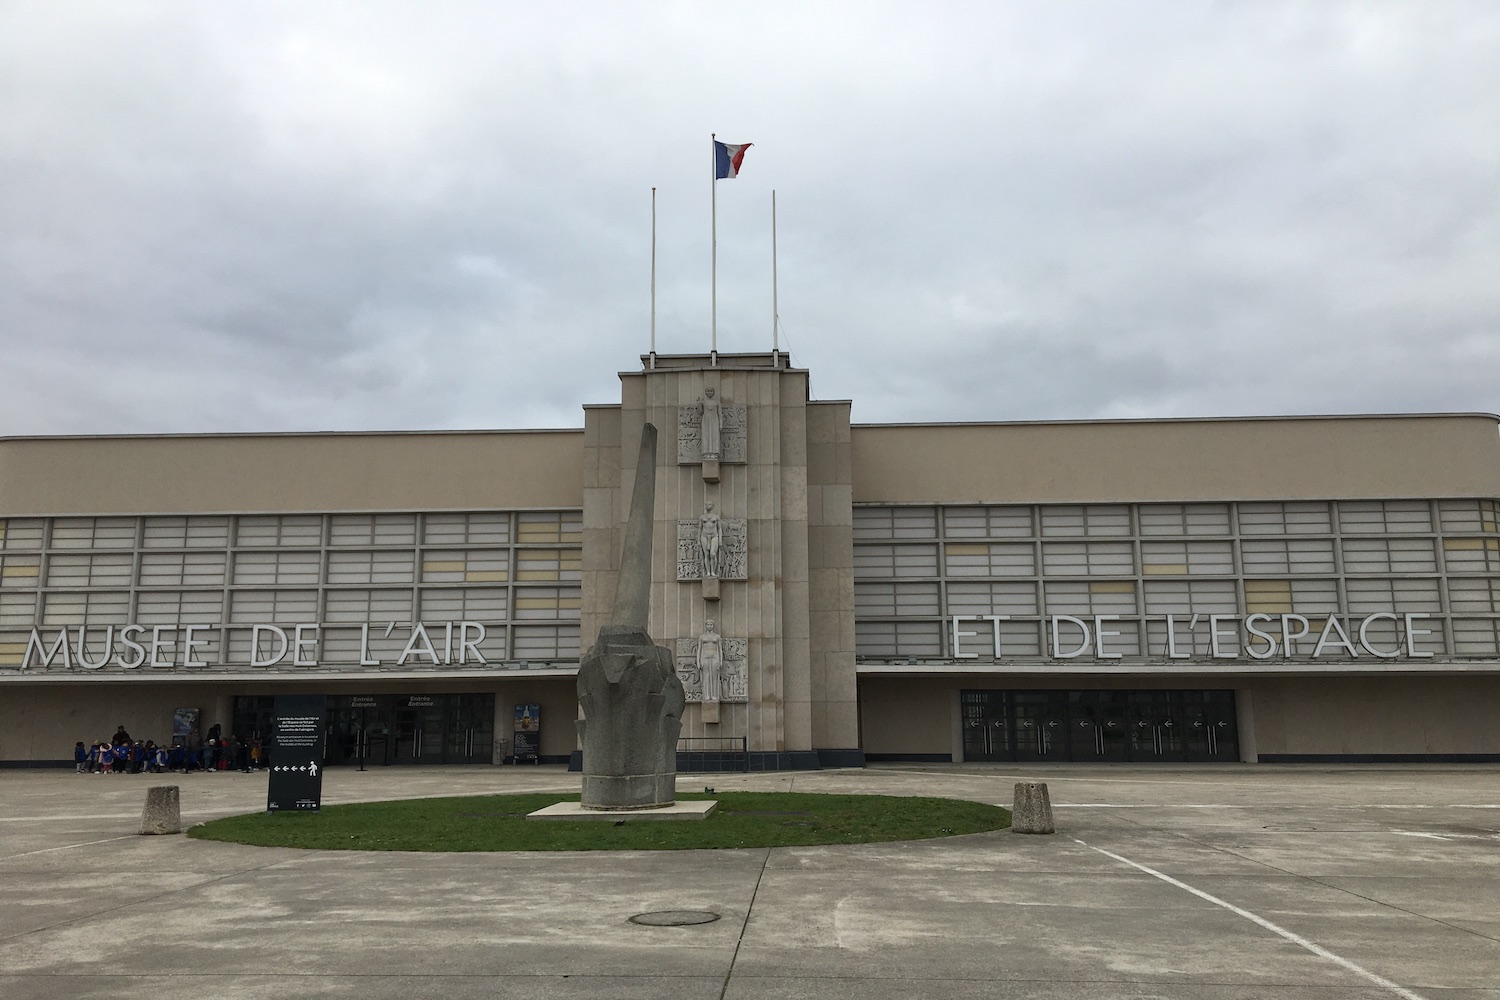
x,y
711,547
732,669
726,423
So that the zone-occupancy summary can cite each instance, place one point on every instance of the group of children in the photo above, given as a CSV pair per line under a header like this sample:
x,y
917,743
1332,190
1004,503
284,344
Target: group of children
x,y
121,754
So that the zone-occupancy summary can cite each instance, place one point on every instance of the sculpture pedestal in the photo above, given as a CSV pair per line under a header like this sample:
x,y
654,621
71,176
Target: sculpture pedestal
x,y
710,470
711,588
629,791
573,812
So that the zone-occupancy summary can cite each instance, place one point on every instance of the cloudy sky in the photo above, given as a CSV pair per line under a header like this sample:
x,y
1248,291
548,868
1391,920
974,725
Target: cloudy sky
x,y
329,216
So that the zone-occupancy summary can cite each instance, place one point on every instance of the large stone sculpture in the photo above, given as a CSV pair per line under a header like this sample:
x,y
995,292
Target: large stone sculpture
x,y
631,698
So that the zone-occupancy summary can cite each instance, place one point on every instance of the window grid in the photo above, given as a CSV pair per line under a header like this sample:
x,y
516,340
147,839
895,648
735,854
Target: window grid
x,y
1438,558
335,570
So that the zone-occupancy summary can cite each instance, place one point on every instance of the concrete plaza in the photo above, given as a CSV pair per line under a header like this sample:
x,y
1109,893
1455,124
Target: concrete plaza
x,y
1218,882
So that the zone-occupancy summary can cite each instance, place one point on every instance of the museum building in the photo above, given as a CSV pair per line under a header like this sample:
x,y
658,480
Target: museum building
x,y
1272,589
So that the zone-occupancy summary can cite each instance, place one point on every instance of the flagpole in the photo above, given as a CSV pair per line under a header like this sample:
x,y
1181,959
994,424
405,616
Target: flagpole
x,y
713,282
653,277
775,314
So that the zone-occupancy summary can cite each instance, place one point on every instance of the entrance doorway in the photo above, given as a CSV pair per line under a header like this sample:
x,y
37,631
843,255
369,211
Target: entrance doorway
x,y
393,728
1137,726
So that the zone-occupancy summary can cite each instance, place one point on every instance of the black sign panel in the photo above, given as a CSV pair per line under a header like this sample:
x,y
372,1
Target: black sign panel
x,y
526,736
525,746
297,761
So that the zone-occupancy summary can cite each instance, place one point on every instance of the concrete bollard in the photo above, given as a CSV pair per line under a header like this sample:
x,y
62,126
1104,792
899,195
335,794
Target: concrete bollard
x,y
163,812
1032,812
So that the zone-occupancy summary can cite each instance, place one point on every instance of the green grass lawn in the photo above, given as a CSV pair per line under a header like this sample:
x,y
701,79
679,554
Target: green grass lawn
x,y
498,823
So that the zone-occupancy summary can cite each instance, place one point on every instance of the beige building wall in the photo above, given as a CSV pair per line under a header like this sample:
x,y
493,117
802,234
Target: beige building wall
x,y
1252,458
289,473
834,689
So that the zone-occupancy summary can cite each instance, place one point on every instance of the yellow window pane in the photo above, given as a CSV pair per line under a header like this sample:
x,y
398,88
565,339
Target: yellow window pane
x,y
1165,569
22,569
1462,544
538,531
1268,597
967,549
536,574
536,603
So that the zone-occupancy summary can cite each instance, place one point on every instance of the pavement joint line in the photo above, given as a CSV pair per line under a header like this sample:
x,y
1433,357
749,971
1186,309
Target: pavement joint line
x,y
67,847
749,908
202,815
1297,939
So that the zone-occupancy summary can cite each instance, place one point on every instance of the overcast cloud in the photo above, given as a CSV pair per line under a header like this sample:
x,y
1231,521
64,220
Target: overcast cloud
x,y
289,216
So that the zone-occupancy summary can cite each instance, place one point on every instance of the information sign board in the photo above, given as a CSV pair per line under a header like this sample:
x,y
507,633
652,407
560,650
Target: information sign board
x,y
526,735
297,761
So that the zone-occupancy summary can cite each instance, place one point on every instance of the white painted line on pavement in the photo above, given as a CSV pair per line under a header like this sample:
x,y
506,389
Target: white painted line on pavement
x,y
1236,805
1297,939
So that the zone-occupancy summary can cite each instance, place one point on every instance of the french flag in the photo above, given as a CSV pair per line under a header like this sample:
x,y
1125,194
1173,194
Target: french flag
x,y
727,159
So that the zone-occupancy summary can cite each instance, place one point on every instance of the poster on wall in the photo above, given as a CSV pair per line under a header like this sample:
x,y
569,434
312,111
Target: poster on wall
x,y
297,761
526,736
185,726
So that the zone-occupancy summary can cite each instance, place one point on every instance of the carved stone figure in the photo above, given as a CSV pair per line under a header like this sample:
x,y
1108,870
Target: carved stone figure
x,y
725,431
710,543
696,553
708,432
631,697
727,655
710,661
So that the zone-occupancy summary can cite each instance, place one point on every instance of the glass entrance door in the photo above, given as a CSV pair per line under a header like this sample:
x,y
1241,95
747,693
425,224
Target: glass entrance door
x,y
1156,727
1040,724
1210,733
419,730
1098,725
1105,726
470,729
986,726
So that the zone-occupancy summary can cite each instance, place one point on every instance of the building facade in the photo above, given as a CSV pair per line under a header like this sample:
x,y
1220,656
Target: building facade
x,y
1247,589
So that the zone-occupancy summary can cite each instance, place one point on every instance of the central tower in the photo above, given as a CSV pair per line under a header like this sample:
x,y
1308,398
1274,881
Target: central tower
x,y
752,577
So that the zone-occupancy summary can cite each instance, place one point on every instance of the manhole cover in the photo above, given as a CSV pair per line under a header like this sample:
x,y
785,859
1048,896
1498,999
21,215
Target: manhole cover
x,y
674,918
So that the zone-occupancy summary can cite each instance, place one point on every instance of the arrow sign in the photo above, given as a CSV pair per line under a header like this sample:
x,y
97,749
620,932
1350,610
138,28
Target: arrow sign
x,y
300,730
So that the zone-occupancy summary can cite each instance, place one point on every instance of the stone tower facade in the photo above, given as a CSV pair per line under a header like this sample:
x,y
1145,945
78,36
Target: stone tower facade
x,y
752,584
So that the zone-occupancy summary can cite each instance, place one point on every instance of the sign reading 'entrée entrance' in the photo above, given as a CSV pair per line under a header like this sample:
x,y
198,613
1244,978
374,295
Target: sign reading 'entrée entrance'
x,y
297,759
